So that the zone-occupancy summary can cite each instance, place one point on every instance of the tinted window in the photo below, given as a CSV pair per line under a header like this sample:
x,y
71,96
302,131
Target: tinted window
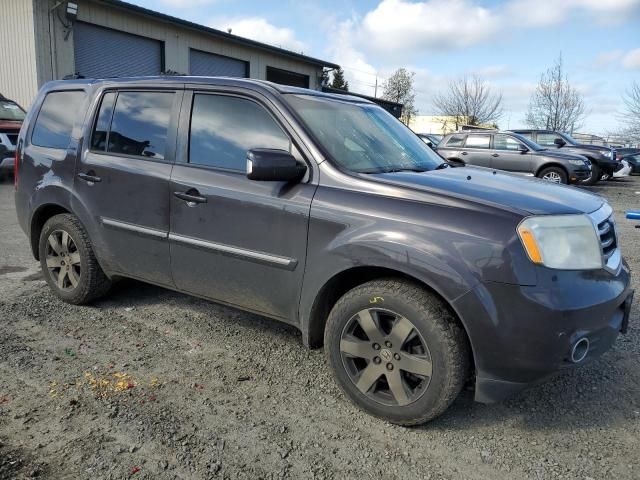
x,y
224,128
55,119
140,123
455,141
547,138
99,137
10,111
505,142
478,141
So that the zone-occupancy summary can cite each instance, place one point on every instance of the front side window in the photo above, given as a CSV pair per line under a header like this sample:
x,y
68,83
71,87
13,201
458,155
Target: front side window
x,y
478,141
224,128
140,123
455,141
363,137
506,142
56,118
547,139
11,111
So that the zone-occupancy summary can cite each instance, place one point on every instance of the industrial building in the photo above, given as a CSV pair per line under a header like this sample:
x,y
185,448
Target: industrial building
x,y
45,40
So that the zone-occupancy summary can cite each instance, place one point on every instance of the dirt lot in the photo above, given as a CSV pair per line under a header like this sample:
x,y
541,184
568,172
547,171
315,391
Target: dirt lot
x,y
153,384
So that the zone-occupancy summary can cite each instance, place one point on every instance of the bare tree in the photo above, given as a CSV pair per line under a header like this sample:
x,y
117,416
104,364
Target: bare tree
x,y
399,88
631,114
469,100
556,105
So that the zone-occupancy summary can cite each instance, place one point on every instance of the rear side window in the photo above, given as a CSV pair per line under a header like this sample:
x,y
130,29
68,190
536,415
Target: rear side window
x,y
478,141
455,141
56,118
140,123
223,128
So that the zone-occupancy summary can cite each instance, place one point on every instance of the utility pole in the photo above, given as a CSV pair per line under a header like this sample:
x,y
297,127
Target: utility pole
x,y
375,92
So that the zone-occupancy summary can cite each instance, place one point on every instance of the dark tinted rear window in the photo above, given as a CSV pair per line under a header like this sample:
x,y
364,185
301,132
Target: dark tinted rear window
x,y
455,141
56,118
140,123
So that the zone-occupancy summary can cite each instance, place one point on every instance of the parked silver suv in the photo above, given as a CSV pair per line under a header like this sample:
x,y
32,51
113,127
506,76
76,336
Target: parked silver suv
x,y
513,153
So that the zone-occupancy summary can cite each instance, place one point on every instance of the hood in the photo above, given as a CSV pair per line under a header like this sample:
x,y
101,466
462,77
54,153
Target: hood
x,y
588,148
559,154
10,125
502,190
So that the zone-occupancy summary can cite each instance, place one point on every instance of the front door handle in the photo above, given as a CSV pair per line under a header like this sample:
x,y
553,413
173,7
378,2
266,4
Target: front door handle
x,y
89,177
495,155
464,153
191,196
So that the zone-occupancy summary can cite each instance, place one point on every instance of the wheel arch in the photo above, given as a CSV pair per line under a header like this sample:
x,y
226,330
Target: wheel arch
x,y
345,280
552,164
38,219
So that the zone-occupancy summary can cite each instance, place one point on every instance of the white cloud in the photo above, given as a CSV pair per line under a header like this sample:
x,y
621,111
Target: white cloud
x,y
492,71
631,60
258,28
606,59
542,13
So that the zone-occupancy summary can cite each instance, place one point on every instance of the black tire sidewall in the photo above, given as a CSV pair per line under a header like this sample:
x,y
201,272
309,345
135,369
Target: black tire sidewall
x,y
61,222
429,404
596,172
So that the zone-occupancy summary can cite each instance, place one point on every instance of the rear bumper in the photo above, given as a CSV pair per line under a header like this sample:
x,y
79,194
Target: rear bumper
x,y
7,163
521,335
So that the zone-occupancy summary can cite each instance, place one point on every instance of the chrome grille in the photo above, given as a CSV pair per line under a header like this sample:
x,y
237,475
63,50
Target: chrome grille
x,y
608,241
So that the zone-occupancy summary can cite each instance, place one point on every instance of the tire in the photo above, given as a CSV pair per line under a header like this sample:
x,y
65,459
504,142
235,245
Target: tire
x,y
554,174
434,336
595,175
83,280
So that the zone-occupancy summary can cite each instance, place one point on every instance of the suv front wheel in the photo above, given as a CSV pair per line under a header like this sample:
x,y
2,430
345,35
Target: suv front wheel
x,y
396,351
68,262
554,174
596,173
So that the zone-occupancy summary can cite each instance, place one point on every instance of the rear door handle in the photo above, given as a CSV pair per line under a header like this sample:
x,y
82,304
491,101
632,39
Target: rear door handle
x,y
464,153
495,155
87,177
191,196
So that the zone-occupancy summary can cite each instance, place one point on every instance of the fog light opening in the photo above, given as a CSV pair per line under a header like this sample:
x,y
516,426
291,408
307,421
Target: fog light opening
x,y
580,350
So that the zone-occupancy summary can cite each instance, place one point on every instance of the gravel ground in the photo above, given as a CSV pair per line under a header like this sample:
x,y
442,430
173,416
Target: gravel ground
x,y
154,384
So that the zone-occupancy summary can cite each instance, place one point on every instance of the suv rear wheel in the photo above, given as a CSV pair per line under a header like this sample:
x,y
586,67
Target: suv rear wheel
x,y
554,174
396,351
68,262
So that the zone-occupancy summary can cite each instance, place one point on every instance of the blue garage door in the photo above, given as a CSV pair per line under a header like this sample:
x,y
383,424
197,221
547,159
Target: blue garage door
x,y
102,52
212,65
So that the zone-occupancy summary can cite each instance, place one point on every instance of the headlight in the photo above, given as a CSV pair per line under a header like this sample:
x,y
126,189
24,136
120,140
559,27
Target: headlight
x,y
577,162
566,242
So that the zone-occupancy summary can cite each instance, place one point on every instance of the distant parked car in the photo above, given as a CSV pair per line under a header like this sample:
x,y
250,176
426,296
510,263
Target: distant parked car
x,y
633,159
623,151
603,159
430,139
11,117
513,153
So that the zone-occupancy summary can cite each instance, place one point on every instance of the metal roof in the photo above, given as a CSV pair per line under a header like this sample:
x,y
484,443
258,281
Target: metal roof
x,y
217,33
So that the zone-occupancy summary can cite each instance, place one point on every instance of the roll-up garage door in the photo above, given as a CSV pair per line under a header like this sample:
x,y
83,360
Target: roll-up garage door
x,y
212,65
102,52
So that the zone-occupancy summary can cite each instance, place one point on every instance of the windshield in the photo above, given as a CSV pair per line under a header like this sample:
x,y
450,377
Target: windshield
x,y
363,138
11,111
569,139
528,142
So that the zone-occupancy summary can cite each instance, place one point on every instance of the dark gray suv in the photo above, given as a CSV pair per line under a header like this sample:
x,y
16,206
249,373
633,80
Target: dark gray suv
x,y
602,159
325,212
513,153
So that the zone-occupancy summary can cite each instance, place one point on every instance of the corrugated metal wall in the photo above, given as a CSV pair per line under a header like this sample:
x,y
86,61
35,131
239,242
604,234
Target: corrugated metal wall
x,y
18,74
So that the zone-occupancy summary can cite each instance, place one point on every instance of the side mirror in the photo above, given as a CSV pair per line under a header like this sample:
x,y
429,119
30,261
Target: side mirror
x,y
522,148
272,165
559,142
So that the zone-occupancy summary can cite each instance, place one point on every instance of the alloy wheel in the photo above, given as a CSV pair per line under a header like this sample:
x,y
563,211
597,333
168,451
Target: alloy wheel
x,y
386,357
63,260
552,177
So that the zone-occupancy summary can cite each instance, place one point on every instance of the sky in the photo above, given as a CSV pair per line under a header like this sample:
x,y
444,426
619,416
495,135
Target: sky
x,y
510,43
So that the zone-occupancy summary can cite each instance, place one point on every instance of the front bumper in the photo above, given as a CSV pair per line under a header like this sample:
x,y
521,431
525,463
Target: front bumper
x,y
577,175
521,335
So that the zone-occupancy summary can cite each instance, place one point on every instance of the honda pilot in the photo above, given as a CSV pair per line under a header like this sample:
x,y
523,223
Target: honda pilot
x,y
325,212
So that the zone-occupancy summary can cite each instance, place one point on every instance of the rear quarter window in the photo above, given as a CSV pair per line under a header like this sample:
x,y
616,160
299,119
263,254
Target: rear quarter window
x,y
56,117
